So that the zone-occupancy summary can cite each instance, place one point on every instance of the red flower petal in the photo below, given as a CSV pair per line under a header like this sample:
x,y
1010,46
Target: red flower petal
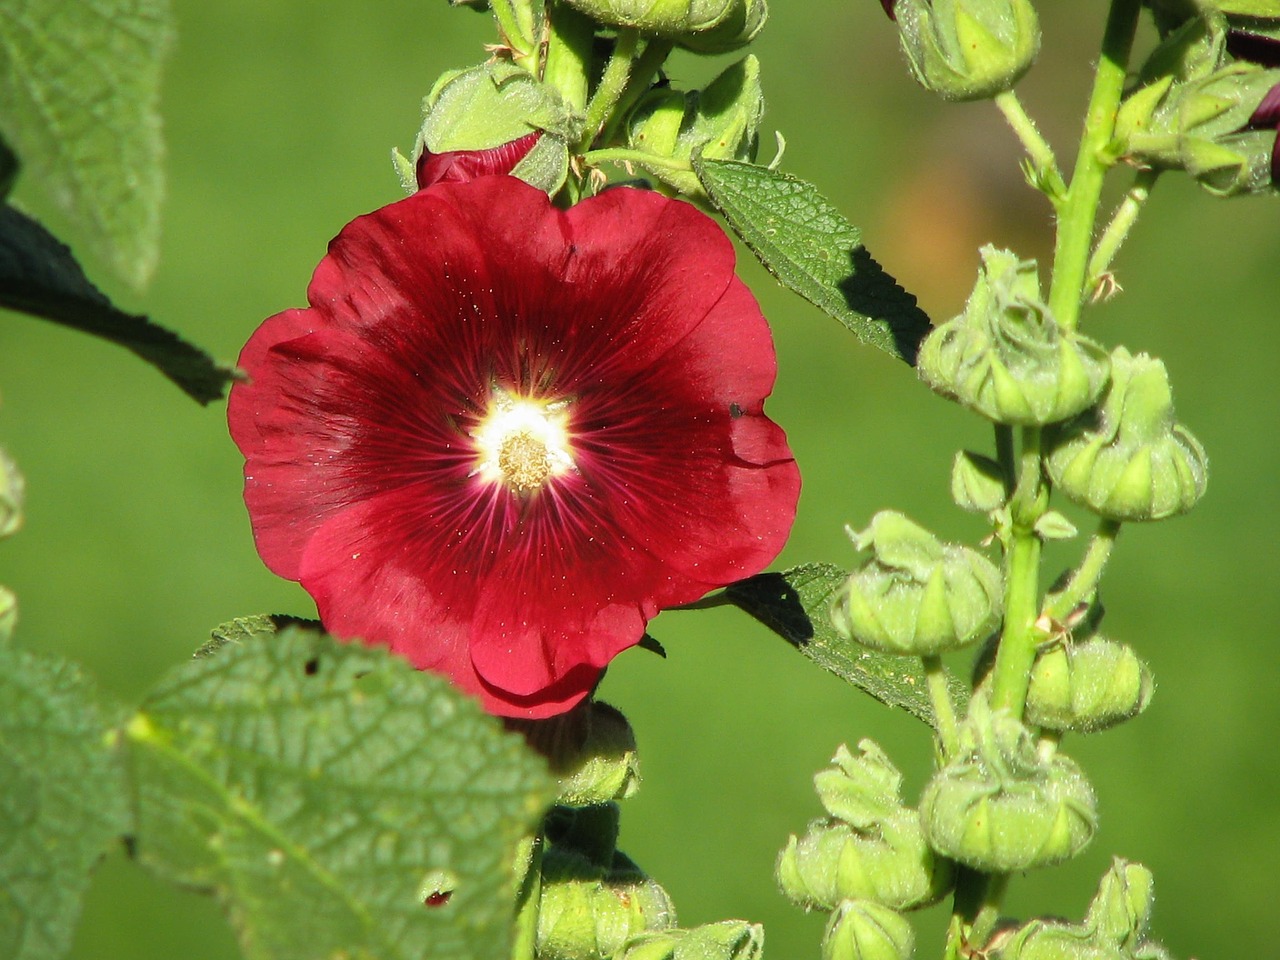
x,y
459,166
365,473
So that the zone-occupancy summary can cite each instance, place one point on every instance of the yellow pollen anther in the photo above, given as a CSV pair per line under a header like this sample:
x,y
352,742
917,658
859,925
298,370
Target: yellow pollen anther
x,y
522,443
524,461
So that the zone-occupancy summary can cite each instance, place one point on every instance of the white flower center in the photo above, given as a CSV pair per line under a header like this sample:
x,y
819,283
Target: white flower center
x,y
523,442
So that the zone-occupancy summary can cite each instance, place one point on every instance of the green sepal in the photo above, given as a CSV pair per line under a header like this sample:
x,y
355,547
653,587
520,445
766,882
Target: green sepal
x,y
674,19
978,483
1129,458
861,930
740,27
999,807
915,595
1087,686
726,940
720,122
1006,358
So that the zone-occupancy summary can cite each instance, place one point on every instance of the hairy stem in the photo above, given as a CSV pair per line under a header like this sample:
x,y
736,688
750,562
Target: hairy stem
x,y
1079,210
644,71
516,24
623,155
944,711
569,54
526,926
613,84
1084,580
1117,231
1048,176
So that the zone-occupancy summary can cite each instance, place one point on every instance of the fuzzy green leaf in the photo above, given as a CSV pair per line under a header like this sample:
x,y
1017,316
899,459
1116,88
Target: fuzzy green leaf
x,y
79,99
322,790
62,800
795,604
39,276
804,241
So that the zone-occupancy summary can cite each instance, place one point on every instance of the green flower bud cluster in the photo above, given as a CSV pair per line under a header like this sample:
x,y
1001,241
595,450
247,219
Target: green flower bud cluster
x,y
869,848
491,105
968,49
1129,459
998,806
1006,357
1087,686
861,930
1201,126
914,594
726,940
705,26
721,122
1113,929
589,913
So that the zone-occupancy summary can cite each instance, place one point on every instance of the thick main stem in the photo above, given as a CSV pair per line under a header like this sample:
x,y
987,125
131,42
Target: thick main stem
x,y
1079,212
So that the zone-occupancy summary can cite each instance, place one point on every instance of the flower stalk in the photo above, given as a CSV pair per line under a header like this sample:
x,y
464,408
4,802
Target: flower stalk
x,y
613,83
944,712
1117,231
524,946
1045,165
1084,581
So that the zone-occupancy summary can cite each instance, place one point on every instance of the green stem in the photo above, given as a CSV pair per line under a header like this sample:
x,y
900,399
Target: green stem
x,y
623,155
643,73
1018,642
516,24
569,54
1079,210
613,82
984,924
526,925
1117,231
1005,457
1048,176
1084,581
944,711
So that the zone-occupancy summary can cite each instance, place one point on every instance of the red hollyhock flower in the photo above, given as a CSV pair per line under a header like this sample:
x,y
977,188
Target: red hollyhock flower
x,y
504,436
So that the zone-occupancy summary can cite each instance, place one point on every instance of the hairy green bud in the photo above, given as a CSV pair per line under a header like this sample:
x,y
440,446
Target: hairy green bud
x,y
493,104
586,913
914,594
1129,459
1000,807
721,122
968,49
726,940
859,930
675,19
1086,687
740,27
977,483
1006,358
591,751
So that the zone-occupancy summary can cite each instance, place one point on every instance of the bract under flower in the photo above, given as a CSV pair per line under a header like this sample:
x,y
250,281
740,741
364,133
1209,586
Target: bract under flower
x,y
503,436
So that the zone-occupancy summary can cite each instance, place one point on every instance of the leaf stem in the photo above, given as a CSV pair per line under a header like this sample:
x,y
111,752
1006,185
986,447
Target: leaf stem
x,y
1049,177
944,711
624,155
1084,581
1018,642
613,83
516,26
1117,231
1079,210
643,72
525,944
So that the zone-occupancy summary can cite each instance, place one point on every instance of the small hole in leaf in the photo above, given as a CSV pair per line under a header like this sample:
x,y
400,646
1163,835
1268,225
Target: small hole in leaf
x,y
437,899
311,667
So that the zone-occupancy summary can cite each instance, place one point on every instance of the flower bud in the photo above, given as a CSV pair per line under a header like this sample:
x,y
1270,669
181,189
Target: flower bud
x,y
740,27
1086,687
916,595
859,930
1212,127
977,483
584,915
1121,910
1006,358
870,848
676,19
1000,807
591,751
726,940
12,490
496,107
1129,459
968,49
721,122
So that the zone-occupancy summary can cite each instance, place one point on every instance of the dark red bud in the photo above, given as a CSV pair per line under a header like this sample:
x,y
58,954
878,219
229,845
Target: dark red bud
x,y
888,8
459,166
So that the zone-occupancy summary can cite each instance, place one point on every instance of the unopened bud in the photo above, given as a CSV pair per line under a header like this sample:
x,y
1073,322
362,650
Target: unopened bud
x,y
977,483
859,930
916,595
739,28
999,807
1121,910
720,122
1006,357
1088,686
727,940
1129,459
968,49
662,18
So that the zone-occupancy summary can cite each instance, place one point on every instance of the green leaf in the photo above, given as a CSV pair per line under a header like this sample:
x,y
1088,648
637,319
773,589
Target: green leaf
x,y
79,99
38,275
323,790
804,241
62,800
795,604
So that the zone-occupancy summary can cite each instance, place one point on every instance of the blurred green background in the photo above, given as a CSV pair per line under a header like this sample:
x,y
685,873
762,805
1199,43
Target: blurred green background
x,y
280,117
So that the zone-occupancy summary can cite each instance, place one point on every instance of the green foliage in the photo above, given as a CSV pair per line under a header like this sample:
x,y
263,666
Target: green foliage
x,y
322,790
796,605
802,239
79,96
62,801
38,275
